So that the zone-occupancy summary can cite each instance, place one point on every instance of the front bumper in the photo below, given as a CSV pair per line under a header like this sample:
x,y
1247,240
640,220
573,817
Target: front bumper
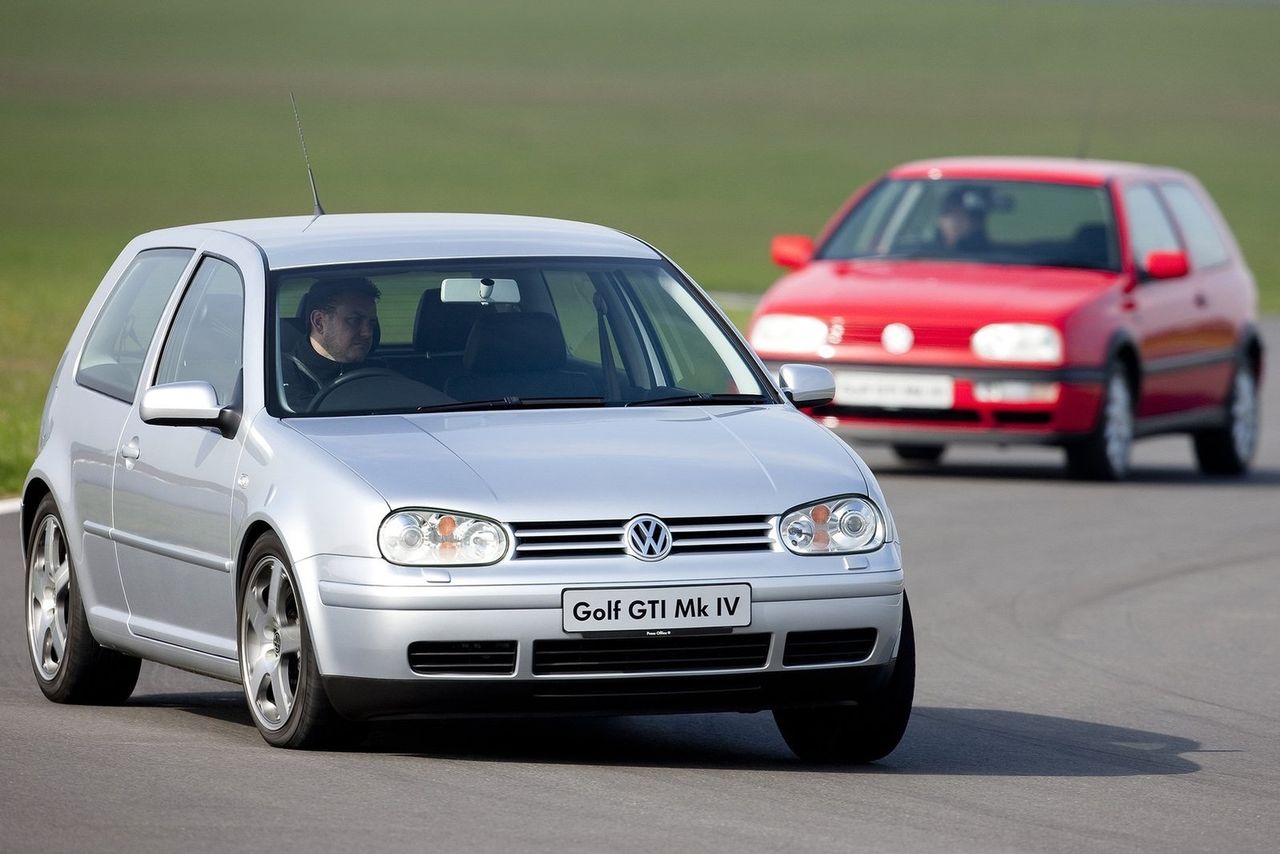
x,y
361,634
1069,418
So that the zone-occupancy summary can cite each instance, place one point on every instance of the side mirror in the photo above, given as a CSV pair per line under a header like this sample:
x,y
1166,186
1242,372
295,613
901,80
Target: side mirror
x,y
792,251
1167,264
188,404
807,385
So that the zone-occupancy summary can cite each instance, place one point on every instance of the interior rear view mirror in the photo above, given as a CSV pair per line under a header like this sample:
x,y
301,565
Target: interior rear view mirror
x,y
483,291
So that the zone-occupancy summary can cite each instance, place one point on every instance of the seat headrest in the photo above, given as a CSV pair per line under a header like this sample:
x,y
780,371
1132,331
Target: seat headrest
x,y
442,327
516,342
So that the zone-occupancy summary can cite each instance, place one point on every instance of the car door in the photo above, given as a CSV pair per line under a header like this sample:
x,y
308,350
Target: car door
x,y
173,491
1168,319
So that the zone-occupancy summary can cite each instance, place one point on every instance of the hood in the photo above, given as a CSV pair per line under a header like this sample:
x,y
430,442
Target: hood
x,y
586,464
934,291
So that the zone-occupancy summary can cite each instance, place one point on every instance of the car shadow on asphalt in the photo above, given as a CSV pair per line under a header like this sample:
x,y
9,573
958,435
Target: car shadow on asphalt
x,y
938,741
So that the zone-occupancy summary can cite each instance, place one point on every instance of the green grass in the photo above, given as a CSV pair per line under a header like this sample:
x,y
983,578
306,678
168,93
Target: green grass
x,y
704,126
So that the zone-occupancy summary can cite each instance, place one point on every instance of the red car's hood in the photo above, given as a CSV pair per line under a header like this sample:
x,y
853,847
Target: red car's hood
x,y
934,292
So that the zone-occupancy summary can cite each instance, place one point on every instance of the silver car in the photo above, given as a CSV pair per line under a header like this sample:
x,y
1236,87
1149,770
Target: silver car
x,y
380,466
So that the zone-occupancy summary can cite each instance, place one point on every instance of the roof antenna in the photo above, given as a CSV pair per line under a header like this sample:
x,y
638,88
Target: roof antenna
x,y
315,197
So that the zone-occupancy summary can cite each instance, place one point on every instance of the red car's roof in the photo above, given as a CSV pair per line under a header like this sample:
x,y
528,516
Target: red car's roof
x,y
1060,170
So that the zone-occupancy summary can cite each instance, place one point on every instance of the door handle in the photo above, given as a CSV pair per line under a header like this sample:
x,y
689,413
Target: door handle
x,y
131,450
1201,300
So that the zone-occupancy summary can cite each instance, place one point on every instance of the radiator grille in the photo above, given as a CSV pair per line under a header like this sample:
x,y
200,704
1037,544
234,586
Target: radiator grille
x,y
463,657
650,655
843,646
691,535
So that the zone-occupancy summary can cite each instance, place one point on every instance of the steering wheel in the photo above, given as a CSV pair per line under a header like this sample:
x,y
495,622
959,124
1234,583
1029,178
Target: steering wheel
x,y
347,379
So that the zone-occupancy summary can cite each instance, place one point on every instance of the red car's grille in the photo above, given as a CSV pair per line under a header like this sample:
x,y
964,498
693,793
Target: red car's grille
x,y
925,336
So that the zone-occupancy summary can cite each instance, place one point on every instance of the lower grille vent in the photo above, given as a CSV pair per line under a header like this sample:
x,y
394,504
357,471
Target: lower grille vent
x,y
650,655
844,646
463,657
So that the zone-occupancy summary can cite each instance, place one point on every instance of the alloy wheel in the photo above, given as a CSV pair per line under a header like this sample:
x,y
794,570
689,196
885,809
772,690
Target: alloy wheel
x,y
270,643
1118,430
1244,414
48,598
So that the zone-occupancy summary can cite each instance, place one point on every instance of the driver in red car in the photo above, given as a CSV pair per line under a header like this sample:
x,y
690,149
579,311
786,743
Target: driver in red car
x,y
962,220
342,315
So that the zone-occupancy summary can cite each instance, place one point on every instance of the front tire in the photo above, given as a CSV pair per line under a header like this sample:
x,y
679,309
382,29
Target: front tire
x,y
1229,450
277,663
862,733
1104,455
70,666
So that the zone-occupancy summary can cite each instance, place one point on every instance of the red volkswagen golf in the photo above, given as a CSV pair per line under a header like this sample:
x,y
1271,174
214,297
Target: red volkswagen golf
x,y
1078,303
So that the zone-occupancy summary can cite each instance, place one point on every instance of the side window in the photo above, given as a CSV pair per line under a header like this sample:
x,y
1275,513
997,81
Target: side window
x,y
112,359
1149,227
205,339
1198,228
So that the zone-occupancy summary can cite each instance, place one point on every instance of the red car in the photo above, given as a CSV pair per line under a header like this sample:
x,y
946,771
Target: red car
x,y
1079,303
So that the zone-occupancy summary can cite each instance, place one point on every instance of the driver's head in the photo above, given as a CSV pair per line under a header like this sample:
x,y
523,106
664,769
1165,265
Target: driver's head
x,y
341,317
963,215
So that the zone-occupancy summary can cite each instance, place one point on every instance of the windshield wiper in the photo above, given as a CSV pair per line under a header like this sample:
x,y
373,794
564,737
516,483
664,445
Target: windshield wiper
x,y
698,398
515,403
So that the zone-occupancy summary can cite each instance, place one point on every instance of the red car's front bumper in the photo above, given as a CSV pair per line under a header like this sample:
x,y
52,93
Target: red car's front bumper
x,y
1069,416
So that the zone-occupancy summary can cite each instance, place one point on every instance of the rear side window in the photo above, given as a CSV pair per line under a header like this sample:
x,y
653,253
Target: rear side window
x,y
1198,228
113,353
204,341
1149,227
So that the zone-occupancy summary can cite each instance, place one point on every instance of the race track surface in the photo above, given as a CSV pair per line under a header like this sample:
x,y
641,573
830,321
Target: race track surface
x,y
1099,669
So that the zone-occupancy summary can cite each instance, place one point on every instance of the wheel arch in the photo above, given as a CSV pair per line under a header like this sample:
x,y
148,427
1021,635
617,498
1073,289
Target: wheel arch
x,y
1123,349
252,534
1252,350
32,494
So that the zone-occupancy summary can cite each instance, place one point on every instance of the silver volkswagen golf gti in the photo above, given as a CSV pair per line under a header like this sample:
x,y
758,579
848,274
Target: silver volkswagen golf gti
x,y
381,466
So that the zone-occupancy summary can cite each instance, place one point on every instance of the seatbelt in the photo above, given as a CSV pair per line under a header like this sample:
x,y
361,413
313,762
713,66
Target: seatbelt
x,y
611,391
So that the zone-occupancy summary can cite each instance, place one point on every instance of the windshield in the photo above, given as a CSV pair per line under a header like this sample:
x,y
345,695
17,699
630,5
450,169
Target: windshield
x,y
499,334
1026,223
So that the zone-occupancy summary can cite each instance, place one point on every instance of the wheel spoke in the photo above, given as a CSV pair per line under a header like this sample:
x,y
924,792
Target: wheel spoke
x,y
43,622
290,639
50,535
61,578
58,638
273,590
281,688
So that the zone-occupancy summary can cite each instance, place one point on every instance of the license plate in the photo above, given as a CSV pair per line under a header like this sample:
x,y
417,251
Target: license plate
x,y
895,391
656,609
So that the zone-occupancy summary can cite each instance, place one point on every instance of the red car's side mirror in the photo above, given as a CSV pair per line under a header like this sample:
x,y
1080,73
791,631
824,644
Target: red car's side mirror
x,y
792,251
1167,264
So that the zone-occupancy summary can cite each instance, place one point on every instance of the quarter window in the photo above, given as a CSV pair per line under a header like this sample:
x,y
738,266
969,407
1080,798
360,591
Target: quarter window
x,y
117,345
1149,227
1203,243
205,339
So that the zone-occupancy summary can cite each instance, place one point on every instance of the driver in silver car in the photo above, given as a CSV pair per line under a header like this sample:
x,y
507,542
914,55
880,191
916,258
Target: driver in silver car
x,y
341,317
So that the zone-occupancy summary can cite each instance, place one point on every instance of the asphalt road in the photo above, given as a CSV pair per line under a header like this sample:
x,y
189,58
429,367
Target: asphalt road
x,y
1099,669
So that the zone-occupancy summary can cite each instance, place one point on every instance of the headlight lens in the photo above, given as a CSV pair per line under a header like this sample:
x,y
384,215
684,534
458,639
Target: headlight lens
x,y
1018,342
834,526
788,333
439,538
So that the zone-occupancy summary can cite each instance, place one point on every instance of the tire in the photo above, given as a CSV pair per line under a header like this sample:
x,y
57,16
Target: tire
x,y
278,671
1228,450
920,454
1104,455
70,666
862,733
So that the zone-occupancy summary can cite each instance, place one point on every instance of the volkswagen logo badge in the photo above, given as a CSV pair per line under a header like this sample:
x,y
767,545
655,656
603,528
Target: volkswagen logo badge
x,y
897,338
647,538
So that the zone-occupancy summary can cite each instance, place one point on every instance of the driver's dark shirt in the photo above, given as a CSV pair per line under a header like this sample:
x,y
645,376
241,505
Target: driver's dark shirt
x,y
305,372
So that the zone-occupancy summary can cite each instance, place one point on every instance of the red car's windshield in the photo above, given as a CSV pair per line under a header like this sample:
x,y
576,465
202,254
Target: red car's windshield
x,y
1026,223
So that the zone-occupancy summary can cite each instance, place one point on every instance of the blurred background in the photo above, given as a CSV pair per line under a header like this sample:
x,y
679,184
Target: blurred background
x,y
705,126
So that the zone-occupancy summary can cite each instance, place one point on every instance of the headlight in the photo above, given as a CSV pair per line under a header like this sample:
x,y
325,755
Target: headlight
x,y
1018,342
834,526
438,538
788,333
